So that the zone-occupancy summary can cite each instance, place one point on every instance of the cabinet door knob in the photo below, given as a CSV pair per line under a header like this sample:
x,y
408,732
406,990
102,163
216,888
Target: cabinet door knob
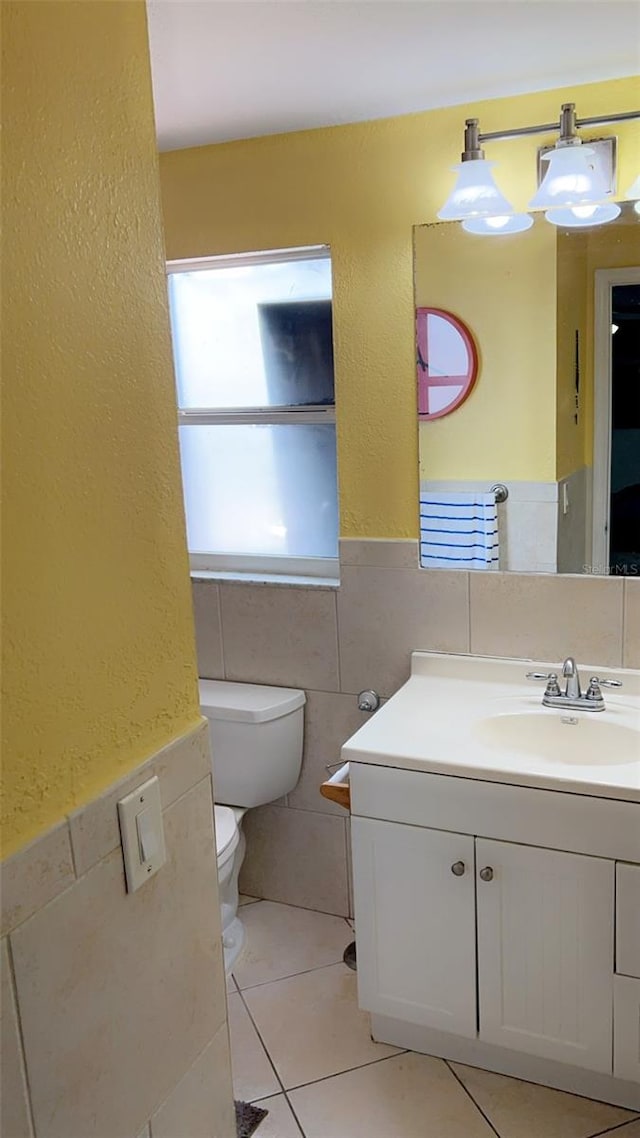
x,y
458,868
486,874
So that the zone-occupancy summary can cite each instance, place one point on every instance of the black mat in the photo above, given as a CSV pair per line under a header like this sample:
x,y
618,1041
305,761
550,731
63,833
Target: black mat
x,y
248,1118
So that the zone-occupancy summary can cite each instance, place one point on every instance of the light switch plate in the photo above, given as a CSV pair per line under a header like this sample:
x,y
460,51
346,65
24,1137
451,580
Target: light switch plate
x,y
142,832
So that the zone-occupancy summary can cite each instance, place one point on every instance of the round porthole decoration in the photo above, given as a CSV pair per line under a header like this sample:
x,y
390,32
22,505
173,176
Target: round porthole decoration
x,y
447,360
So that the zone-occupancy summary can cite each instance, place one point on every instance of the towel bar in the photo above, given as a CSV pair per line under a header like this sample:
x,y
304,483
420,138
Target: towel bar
x,y
501,492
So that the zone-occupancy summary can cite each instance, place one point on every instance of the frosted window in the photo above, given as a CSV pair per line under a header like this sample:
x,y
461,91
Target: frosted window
x,y
253,353
268,489
253,335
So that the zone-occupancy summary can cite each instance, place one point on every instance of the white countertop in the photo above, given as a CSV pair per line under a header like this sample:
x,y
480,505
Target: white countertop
x,y
437,722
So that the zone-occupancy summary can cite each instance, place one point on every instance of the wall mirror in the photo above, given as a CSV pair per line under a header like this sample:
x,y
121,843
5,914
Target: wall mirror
x,y
555,411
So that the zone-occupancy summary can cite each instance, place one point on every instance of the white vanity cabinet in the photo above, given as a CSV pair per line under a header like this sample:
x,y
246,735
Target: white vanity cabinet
x,y
626,1016
542,922
484,936
545,952
416,924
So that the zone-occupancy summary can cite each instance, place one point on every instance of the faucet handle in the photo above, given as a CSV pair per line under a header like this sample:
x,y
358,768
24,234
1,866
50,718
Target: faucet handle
x,y
553,687
593,691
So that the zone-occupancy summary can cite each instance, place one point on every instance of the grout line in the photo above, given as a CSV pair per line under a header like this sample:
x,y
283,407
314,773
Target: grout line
x,y
290,975
221,624
71,847
298,1122
265,1098
307,908
468,1093
13,984
348,1070
619,1129
469,622
625,599
264,1046
339,668
161,1103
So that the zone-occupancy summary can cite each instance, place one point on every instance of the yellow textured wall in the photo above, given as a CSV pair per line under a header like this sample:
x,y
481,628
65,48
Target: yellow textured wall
x,y
504,290
99,666
361,189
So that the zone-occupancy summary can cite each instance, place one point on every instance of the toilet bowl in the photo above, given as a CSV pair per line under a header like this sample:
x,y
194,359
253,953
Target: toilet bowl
x,y
230,847
256,735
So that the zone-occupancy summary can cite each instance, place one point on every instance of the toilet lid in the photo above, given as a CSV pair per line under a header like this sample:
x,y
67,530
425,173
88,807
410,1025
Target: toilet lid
x,y
226,828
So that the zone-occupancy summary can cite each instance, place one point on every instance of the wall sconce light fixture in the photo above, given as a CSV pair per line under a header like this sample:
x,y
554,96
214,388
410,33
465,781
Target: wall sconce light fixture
x,y
573,192
475,199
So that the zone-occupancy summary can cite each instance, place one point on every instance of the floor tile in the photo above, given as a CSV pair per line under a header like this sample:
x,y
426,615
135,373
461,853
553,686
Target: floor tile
x,y
632,1130
311,1025
280,1121
525,1110
253,1075
232,987
408,1096
245,899
283,940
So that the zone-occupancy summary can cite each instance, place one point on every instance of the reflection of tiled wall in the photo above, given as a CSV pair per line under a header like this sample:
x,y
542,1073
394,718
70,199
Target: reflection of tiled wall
x,y
574,526
535,534
113,1008
335,642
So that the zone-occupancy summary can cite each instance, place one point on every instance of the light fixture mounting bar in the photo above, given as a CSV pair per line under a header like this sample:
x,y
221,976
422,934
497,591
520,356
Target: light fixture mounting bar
x,y
546,128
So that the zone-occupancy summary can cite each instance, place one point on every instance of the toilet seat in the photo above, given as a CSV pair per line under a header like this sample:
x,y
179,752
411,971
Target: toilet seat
x,y
227,834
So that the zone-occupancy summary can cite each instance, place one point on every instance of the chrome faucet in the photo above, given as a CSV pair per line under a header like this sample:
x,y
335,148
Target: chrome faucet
x,y
572,696
572,675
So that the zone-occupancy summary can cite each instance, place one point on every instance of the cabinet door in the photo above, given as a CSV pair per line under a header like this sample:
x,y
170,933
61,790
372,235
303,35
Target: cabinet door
x,y
415,924
628,919
626,1020
545,952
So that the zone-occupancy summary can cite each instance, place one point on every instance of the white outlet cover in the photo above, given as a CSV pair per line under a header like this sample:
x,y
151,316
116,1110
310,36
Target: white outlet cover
x,y
142,833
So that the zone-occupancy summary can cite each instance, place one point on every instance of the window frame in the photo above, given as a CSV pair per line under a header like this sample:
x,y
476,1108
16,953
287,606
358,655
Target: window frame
x,y
321,570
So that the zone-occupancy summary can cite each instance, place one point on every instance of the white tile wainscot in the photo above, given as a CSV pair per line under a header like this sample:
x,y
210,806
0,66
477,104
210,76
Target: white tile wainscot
x,y
113,1004
534,971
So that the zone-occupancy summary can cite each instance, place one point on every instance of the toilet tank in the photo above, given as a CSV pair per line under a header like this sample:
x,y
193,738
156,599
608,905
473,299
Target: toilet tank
x,y
256,740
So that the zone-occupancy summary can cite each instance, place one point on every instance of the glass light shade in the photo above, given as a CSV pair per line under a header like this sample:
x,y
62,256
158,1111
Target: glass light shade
x,y
572,179
475,193
495,226
583,216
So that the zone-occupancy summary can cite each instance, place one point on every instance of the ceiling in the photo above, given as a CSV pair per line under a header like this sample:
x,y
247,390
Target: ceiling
x,y
226,69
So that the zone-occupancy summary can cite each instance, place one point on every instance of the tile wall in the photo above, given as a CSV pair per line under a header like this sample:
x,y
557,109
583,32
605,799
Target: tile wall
x,y
335,642
536,534
114,1018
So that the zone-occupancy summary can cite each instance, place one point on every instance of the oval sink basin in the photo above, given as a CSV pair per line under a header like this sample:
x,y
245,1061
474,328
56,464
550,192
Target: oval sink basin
x,y
561,736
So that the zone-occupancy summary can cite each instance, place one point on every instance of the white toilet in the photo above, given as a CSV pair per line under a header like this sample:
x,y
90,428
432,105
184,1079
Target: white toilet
x,y
256,748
